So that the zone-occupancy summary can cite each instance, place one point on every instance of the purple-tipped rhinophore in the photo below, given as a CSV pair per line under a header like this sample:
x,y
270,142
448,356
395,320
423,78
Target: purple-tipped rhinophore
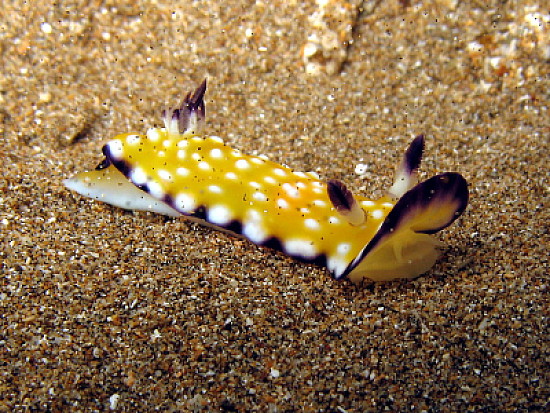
x,y
413,155
405,175
340,196
344,202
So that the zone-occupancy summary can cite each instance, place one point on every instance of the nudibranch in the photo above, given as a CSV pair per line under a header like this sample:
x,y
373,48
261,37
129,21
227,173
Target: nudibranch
x,y
175,170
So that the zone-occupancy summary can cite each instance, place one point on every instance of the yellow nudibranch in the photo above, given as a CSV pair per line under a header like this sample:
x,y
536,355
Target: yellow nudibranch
x,y
176,171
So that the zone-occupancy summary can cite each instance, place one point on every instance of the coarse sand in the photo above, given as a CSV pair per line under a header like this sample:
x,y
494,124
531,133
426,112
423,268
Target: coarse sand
x,y
108,310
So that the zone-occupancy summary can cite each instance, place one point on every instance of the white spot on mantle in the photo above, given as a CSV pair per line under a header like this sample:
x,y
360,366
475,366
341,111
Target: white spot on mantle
x,y
301,248
116,148
216,153
215,189
184,203
253,228
311,223
138,176
219,214
164,174
133,139
242,164
377,214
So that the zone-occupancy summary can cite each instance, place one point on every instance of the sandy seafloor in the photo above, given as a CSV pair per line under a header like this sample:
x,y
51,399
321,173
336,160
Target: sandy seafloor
x,y
104,309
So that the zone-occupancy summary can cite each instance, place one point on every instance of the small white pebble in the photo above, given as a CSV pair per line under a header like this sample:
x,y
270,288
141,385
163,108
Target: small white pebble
x,y
249,32
361,168
44,97
310,49
113,401
46,28
156,334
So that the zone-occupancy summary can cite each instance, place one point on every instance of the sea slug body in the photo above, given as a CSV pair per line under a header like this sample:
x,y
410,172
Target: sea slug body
x,y
176,171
